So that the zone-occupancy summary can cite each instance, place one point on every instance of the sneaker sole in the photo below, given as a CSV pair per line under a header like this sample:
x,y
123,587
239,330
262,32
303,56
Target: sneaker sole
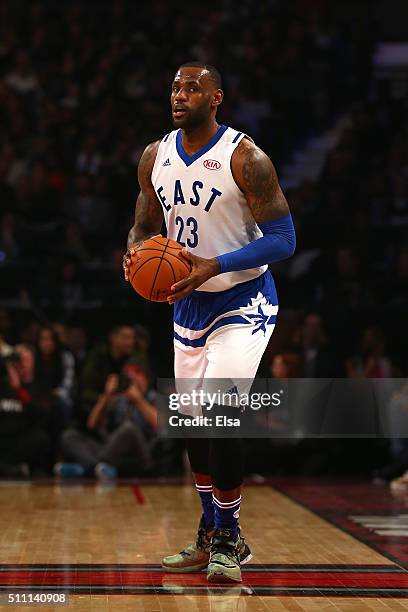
x,y
198,568
184,570
221,577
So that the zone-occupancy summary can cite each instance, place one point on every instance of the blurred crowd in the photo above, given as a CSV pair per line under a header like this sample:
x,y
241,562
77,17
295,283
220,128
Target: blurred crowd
x,y
83,88
74,410
352,222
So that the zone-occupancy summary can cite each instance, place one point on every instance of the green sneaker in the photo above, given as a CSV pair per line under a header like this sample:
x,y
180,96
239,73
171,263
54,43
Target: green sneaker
x,y
224,565
195,557
244,552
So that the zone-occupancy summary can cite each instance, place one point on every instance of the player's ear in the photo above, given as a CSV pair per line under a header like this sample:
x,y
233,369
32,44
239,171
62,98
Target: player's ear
x,y
218,97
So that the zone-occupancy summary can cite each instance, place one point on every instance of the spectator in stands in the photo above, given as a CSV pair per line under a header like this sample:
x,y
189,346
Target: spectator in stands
x,y
24,445
69,292
8,200
89,205
23,78
124,420
103,219
42,203
9,244
25,366
142,343
74,245
285,365
77,342
136,401
81,205
105,359
15,165
5,348
310,341
346,282
89,159
61,331
370,361
53,385
29,332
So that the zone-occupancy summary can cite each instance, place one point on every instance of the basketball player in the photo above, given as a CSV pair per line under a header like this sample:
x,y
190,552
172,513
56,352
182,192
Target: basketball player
x,y
221,200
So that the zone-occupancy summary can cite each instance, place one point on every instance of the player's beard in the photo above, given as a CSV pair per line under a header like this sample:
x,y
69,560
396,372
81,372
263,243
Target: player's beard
x,y
194,119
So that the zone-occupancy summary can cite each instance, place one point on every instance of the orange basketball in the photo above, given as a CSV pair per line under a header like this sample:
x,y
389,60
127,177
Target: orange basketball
x,y
156,266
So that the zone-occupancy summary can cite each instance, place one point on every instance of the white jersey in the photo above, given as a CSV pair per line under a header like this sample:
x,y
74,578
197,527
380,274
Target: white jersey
x,y
203,207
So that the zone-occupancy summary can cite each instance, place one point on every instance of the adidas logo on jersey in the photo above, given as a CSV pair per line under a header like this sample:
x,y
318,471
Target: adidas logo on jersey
x,y
167,162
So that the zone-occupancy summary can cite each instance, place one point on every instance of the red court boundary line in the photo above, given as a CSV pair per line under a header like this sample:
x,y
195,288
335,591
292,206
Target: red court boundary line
x,y
137,492
143,579
342,581
158,590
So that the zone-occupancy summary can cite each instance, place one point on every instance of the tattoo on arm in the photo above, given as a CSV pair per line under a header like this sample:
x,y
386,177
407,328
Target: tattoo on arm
x,y
256,176
147,221
148,212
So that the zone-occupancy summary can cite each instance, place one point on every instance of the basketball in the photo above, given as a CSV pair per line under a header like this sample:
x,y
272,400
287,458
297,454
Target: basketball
x,y
156,266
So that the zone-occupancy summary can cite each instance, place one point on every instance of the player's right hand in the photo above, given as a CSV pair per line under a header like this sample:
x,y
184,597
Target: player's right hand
x,y
127,259
131,252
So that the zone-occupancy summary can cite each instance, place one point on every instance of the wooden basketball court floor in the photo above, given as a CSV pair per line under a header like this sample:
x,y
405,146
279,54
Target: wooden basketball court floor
x,y
318,546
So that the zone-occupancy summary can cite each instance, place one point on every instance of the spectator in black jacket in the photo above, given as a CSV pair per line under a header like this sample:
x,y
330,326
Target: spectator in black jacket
x,y
53,383
317,358
105,359
24,445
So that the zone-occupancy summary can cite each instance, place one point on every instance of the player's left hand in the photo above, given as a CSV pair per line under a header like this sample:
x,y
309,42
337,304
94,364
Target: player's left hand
x,y
201,270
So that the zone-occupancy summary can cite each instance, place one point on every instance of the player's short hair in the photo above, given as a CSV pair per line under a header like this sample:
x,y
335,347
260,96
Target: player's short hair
x,y
213,73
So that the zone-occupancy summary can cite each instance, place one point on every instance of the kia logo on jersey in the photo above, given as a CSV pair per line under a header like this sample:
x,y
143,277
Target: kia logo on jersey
x,y
212,164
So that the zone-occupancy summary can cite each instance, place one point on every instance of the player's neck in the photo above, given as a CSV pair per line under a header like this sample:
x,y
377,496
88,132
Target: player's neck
x,y
196,138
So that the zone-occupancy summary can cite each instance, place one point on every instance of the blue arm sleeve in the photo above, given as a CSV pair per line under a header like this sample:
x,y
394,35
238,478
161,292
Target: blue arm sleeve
x,y
278,242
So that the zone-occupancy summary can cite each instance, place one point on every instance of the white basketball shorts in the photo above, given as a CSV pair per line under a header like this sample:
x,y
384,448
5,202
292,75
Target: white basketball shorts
x,y
223,335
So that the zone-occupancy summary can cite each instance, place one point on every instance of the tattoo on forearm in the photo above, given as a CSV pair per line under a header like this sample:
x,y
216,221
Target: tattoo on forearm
x,y
148,212
148,219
